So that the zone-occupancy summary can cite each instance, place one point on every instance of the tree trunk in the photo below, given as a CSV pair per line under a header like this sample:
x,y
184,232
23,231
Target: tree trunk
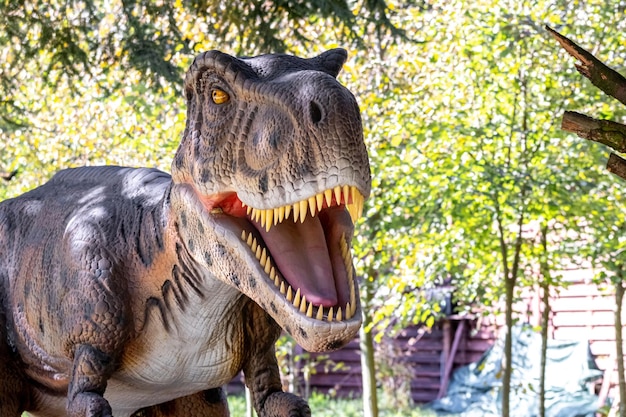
x,y
368,364
619,347
510,281
545,320
508,347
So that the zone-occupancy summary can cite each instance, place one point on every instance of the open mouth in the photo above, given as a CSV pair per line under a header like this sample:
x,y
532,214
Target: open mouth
x,y
304,249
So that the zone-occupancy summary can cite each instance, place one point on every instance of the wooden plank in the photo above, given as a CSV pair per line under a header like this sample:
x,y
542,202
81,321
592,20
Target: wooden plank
x,y
582,318
602,347
450,360
579,287
580,304
585,333
330,380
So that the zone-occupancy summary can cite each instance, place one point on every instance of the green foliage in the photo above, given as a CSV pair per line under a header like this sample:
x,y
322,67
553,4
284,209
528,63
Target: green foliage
x,y
468,158
325,406
297,366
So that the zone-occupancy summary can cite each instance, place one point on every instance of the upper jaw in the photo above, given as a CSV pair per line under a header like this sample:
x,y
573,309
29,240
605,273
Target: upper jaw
x,y
318,318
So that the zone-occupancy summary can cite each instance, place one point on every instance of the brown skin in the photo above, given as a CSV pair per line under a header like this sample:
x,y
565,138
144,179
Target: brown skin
x,y
129,292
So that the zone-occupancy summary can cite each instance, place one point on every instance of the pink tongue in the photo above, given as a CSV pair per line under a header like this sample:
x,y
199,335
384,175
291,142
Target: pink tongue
x,y
300,252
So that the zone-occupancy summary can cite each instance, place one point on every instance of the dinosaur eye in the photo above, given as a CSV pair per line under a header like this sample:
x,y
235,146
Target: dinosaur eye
x,y
219,96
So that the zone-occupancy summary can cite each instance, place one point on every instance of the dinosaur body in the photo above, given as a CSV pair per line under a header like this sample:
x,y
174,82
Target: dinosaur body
x,y
124,291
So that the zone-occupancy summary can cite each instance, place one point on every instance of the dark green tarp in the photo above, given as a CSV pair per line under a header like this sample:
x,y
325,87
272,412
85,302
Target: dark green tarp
x,y
476,389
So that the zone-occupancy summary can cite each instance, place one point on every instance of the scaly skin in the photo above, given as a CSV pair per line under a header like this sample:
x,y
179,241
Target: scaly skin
x,y
129,292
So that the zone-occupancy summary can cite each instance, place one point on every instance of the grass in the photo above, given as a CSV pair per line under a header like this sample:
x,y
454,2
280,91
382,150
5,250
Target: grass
x,y
326,406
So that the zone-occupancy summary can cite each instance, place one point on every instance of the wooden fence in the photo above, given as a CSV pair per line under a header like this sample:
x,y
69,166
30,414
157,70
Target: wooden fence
x,y
425,359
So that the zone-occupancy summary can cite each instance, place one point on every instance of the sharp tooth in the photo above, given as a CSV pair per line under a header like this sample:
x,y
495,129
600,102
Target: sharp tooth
x,y
339,315
243,235
296,298
303,208
257,253
287,211
344,246
346,194
268,266
312,205
353,213
296,212
352,309
353,194
328,196
330,314
361,200
263,258
282,288
309,311
289,294
254,245
269,219
303,305
320,313
348,311
273,275
249,240
319,198
263,217
281,215
337,191
352,296
248,210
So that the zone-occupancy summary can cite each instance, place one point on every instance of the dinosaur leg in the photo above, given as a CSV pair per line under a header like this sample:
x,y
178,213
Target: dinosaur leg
x,y
261,369
98,331
210,403
92,367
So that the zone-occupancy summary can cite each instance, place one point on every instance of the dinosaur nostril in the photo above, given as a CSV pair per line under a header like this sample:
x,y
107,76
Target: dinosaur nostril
x,y
315,112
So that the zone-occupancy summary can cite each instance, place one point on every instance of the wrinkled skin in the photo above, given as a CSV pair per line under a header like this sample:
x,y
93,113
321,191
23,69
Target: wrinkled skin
x,y
127,291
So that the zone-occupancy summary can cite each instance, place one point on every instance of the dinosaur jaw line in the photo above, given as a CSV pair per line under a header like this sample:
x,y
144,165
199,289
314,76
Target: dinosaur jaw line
x,y
314,231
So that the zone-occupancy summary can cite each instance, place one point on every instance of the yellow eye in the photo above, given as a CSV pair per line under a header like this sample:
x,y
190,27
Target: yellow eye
x,y
219,96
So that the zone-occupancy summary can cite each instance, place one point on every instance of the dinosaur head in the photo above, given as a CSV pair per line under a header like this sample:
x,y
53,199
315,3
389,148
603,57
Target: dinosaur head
x,y
273,157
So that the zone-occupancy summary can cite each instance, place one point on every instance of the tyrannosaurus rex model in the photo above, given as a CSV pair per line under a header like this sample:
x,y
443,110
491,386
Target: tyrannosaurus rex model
x,y
124,291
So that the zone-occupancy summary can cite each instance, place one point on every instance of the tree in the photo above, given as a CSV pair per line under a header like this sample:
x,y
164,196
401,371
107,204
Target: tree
x,y
612,249
68,40
468,159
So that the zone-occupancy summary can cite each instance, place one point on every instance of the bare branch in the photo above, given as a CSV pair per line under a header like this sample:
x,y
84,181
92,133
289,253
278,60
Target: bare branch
x,y
600,75
8,176
617,165
606,132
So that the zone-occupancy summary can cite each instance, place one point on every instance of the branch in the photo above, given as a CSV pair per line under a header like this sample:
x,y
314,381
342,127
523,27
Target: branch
x,y
617,165
8,176
606,132
603,77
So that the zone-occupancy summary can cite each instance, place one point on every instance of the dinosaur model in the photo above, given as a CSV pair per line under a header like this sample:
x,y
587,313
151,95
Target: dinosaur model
x,y
127,291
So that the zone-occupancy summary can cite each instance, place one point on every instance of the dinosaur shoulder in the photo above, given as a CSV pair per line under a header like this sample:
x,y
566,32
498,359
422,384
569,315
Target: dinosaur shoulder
x,y
144,184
